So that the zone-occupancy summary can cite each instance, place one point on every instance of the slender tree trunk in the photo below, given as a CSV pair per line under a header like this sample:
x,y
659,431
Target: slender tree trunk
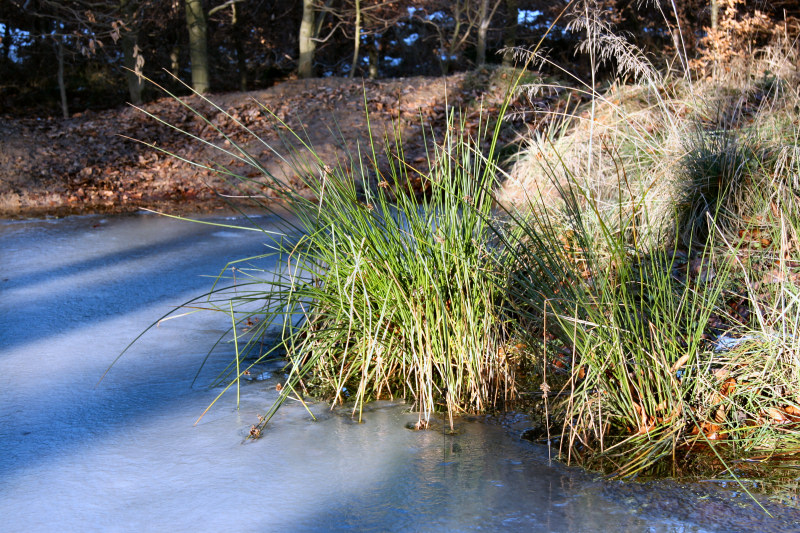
x,y
483,28
131,60
198,49
458,9
305,65
131,54
241,62
510,40
62,89
174,61
357,40
374,60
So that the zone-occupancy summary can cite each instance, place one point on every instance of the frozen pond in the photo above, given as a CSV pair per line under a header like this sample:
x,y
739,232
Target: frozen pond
x,y
126,455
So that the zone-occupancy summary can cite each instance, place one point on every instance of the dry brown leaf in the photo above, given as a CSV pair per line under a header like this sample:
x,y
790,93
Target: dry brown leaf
x,y
792,410
711,431
728,387
722,373
680,362
777,416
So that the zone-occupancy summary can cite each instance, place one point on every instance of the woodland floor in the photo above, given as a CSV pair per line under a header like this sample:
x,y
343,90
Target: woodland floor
x,y
90,163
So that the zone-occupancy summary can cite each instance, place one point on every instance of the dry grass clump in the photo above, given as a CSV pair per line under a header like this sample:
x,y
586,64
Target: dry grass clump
x,y
622,150
658,262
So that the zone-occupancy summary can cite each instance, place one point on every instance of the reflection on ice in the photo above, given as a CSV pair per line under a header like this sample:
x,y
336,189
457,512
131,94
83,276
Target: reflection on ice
x,y
226,234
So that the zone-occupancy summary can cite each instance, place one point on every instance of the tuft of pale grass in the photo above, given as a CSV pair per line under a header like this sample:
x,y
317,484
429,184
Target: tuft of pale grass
x,y
656,265
622,150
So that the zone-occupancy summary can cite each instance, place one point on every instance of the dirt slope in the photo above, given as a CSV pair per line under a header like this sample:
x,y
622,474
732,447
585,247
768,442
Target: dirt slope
x,y
89,163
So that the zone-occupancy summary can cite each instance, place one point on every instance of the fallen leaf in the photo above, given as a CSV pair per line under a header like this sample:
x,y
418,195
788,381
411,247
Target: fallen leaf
x,y
777,416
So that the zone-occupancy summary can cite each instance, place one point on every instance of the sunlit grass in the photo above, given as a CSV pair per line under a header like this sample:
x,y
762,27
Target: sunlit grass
x,y
391,294
643,272
655,269
389,276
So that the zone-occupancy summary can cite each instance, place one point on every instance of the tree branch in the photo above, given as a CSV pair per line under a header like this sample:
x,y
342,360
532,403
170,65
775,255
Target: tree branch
x,y
215,10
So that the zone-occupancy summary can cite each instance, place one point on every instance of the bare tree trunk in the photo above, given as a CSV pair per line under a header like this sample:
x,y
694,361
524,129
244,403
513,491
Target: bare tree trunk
x,y
483,28
61,87
510,40
357,40
131,60
305,65
131,54
174,61
456,38
374,60
198,49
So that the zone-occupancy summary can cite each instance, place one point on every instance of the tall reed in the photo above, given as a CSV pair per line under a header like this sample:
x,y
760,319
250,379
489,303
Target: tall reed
x,y
389,278
389,293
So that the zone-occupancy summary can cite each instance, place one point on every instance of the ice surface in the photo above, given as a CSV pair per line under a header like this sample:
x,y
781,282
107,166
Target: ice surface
x,y
125,455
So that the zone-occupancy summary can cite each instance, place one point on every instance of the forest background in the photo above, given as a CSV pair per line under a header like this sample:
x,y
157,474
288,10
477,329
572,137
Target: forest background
x,y
68,56
68,67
